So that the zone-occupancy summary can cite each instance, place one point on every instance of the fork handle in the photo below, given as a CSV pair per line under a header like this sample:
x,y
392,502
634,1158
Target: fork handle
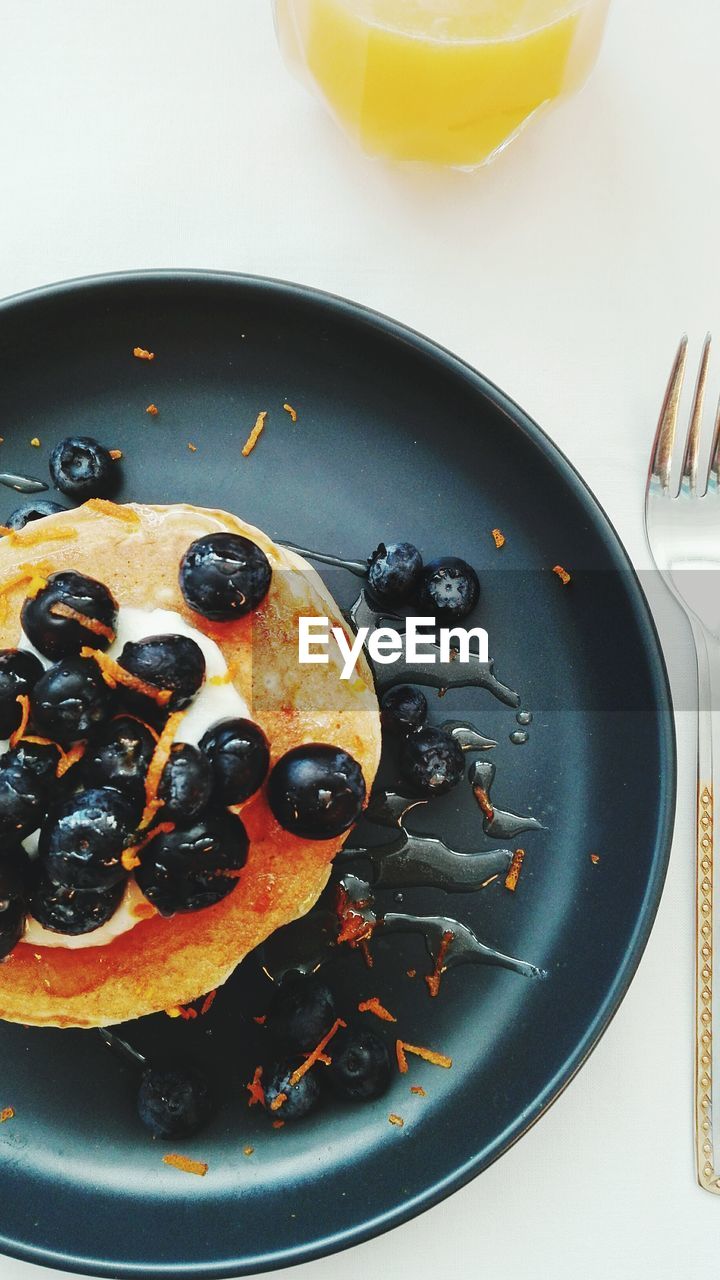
x,y
708,760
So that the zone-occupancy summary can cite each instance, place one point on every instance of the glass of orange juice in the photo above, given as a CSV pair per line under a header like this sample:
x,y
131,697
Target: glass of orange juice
x,y
444,81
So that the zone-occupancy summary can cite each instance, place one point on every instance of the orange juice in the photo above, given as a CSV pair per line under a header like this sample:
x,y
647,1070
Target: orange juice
x,y
445,81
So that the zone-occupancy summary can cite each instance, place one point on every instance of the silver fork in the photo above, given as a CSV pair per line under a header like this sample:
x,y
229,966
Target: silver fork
x,y
682,523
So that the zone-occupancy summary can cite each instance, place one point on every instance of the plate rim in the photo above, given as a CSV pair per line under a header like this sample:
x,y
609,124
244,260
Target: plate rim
x,y
665,725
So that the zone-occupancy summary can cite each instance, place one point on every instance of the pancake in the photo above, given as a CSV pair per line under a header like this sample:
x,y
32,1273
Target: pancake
x,y
162,962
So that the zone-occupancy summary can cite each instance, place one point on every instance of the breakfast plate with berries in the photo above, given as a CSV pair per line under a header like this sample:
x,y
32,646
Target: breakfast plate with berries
x,y
329,838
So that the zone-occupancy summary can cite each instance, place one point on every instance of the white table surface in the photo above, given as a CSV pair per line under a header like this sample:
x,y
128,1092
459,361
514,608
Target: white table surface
x,y
170,135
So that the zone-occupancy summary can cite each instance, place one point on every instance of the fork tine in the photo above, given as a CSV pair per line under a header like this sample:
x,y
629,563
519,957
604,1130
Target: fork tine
x,y
692,444
661,457
713,480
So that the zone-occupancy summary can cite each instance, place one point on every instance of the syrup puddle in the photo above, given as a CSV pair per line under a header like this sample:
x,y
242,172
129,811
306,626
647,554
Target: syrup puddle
x,y
22,484
502,825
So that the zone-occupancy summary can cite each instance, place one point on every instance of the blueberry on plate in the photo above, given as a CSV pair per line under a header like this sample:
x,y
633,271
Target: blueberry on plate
x,y
360,1068
301,1012
403,709
174,1102
70,700
19,672
82,468
35,509
240,757
394,572
194,866
449,589
172,662
186,783
71,612
72,911
316,791
82,839
431,761
27,773
118,756
13,905
299,1098
224,576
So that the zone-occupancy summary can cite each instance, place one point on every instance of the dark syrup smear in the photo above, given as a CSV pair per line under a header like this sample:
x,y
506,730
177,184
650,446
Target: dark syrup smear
x,y
503,825
467,736
306,944
122,1050
411,861
22,484
440,675
358,567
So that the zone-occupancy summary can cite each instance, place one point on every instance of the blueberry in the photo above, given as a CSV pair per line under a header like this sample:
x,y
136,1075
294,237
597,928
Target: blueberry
x,y
82,839
172,662
316,791
299,1098
224,576
73,911
191,867
82,468
70,700
13,905
50,619
301,1012
403,709
361,1068
35,509
174,1102
26,776
19,672
119,757
431,761
240,757
394,572
186,783
450,589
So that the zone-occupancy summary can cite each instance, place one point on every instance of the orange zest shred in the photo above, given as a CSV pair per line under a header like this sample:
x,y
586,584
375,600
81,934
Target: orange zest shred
x,y
113,674
594,858
36,574
24,702
186,1165
160,757
402,1048
255,434
513,875
418,1090
61,610
255,1089
562,574
208,1002
35,442
152,409
433,979
247,1151
484,802
354,929
261,1019
68,758
317,1052
7,1113
130,856
277,1102
278,1124
373,1005
31,535
116,454
411,973
192,447
293,412
141,353
117,510
396,1120
498,538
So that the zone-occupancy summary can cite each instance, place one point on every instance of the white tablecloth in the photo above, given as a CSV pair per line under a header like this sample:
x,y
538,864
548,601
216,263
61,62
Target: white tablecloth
x,y
149,135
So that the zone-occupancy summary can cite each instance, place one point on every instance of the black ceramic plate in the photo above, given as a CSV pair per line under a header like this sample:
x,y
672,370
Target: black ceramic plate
x,y
395,438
